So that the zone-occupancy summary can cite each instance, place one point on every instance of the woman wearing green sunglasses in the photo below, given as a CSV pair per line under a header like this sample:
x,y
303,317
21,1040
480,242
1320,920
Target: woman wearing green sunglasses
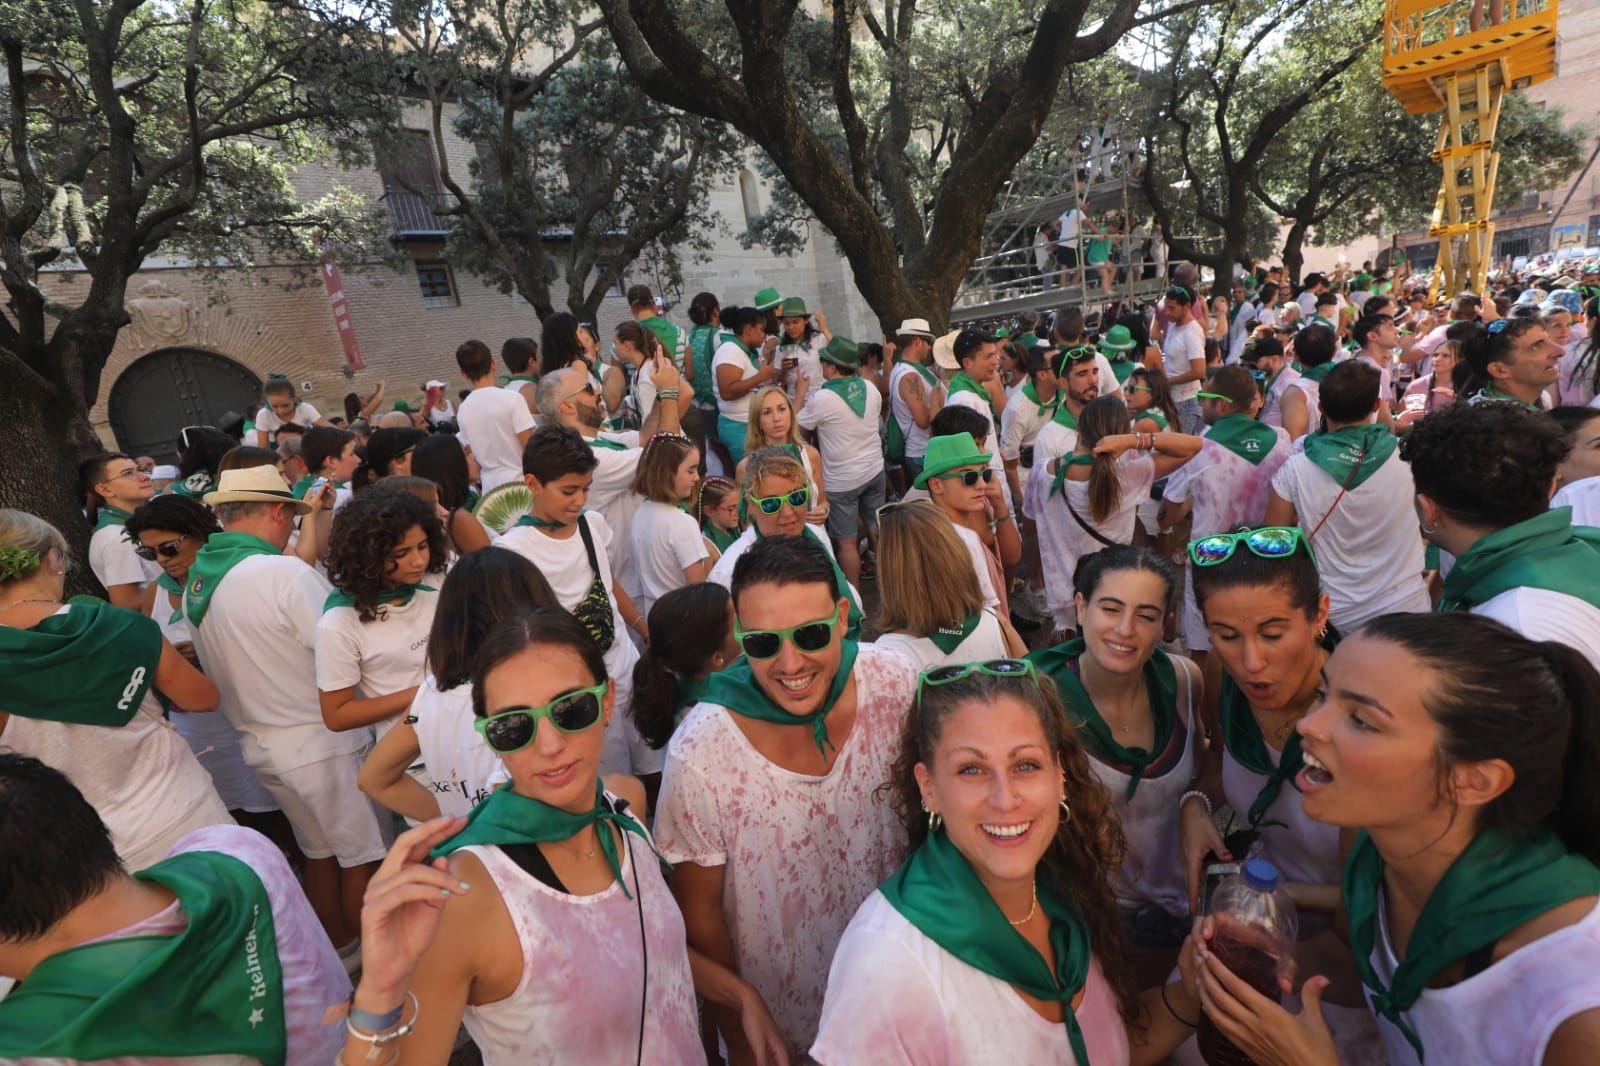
x,y
544,922
998,939
1267,617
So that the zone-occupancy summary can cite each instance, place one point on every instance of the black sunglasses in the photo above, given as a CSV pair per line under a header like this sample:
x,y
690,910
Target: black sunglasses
x,y
168,549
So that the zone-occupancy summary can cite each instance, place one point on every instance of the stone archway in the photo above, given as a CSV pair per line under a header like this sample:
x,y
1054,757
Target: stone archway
x,y
170,388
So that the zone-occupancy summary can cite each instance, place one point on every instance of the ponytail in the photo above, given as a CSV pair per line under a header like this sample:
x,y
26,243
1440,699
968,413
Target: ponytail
x,y
1103,417
1577,814
688,626
654,705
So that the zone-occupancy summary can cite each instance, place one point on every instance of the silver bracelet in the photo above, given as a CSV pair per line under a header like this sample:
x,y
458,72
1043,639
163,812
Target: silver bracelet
x,y
1203,799
379,1040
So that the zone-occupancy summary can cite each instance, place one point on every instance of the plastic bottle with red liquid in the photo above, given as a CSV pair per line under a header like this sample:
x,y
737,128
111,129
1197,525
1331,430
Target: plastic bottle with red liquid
x,y
1254,927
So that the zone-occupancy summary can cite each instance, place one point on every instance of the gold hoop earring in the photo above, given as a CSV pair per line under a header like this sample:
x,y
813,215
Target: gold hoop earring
x,y
1066,811
935,820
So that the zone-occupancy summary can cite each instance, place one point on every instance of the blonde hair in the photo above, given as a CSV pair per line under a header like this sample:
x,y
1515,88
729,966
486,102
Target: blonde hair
x,y
658,467
753,437
25,541
419,487
925,574
771,461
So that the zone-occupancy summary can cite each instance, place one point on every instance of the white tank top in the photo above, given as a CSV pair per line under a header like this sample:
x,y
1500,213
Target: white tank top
x,y
1506,1014
1151,871
1303,850
1272,406
579,996
916,436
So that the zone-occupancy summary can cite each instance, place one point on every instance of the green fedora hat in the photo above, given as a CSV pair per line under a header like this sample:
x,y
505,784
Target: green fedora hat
x,y
793,307
767,299
1118,339
950,452
842,351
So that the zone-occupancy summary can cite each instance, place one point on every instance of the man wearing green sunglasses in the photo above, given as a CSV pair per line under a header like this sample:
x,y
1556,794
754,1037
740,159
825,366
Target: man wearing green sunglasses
x,y
768,806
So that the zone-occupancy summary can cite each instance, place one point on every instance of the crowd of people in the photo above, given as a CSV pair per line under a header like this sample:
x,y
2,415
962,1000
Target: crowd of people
x,y
750,694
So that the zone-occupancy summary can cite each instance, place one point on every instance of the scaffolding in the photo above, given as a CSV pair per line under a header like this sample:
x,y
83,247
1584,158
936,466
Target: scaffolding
x,y
1435,60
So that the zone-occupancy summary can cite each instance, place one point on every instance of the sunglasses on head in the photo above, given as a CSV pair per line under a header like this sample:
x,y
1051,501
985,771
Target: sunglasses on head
x,y
969,478
945,675
515,729
800,499
1214,396
167,549
807,637
1078,354
1268,542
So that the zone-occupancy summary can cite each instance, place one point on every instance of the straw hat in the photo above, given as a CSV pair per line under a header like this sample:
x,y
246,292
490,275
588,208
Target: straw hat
x,y
255,484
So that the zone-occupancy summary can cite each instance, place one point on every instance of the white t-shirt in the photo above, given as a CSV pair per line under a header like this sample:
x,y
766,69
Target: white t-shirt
x,y
1068,223
1369,551
722,572
1385,372
982,644
565,566
257,643
666,542
1020,423
799,852
852,454
114,562
268,422
729,353
916,436
386,655
490,419
980,404
810,361
896,998
1584,499
1183,344
980,562
460,763
1542,614
1062,541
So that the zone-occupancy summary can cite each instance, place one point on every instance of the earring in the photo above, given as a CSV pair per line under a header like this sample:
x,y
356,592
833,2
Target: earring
x,y
935,819
1431,531
1322,633
1066,811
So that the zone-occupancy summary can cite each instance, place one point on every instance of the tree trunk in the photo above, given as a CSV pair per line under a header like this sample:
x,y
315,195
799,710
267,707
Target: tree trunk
x,y
1294,250
43,435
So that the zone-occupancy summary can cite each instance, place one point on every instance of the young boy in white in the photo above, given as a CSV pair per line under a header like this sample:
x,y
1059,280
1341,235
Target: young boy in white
x,y
768,804
1349,491
121,487
494,422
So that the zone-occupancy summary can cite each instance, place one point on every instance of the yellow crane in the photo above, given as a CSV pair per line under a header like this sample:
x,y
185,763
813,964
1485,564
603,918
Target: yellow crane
x,y
1461,57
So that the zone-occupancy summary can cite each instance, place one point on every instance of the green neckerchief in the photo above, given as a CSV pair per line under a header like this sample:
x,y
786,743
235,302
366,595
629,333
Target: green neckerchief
x,y
948,638
1122,368
1061,471
1161,685
541,523
1244,437
936,891
1494,886
852,390
218,555
1065,417
962,383
400,594
1242,738
1545,552
609,445
1352,454
1315,373
721,539
169,583
927,375
1489,392
472,501
1046,409
666,332
110,516
194,486
735,688
90,665
507,817
1154,414
691,690
216,988
853,622
531,379
1318,320
700,352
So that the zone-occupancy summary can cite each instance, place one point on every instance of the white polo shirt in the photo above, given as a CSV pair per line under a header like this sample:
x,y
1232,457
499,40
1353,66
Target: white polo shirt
x,y
852,454
490,419
114,561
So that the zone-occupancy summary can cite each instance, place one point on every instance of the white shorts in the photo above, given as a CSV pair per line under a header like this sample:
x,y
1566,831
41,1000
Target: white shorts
x,y
331,817
209,811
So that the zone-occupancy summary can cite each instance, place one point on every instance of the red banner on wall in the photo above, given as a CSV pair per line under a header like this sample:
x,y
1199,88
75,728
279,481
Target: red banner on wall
x,y
334,283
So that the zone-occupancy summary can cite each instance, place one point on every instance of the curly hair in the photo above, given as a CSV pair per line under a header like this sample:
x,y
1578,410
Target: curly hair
x,y
1087,846
365,531
1487,464
173,514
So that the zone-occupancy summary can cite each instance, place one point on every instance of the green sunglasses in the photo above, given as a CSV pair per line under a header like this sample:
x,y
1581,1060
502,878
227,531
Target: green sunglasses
x,y
807,637
1268,542
800,498
968,478
1214,396
515,729
945,675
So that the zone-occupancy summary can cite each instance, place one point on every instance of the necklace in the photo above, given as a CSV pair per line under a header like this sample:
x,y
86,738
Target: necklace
x,y
1032,910
1276,734
30,599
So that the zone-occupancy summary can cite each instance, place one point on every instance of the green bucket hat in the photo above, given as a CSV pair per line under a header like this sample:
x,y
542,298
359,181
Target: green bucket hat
x,y
842,351
1029,341
767,299
401,405
950,452
792,307
1117,341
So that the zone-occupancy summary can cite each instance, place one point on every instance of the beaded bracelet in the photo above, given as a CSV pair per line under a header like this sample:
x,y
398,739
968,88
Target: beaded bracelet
x,y
1203,799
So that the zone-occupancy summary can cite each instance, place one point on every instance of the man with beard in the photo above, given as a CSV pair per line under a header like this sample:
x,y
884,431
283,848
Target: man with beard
x,y
567,397
768,808
1284,398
